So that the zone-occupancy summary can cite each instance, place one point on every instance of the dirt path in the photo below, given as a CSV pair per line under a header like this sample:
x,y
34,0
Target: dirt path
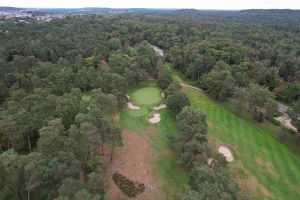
x,y
186,85
135,161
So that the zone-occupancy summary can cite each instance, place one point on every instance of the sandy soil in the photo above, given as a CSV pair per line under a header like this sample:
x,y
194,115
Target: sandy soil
x,y
154,118
158,51
226,152
159,107
209,161
132,106
134,160
286,122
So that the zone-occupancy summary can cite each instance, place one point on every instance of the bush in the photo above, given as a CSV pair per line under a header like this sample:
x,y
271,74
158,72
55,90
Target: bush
x,y
177,101
164,79
274,121
127,186
173,87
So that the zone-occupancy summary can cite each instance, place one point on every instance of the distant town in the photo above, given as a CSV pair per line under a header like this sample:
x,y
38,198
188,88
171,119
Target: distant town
x,y
27,15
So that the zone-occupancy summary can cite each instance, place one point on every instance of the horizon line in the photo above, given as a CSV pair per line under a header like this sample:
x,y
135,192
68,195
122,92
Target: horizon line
x,y
216,9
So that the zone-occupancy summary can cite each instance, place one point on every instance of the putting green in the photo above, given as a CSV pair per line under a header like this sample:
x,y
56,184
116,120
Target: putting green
x,y
146,96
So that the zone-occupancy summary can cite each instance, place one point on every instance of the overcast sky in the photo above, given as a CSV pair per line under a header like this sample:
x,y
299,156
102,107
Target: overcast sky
x,y
199,4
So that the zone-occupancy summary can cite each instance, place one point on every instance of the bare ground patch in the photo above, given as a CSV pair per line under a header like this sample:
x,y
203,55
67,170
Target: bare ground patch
x,y
135,161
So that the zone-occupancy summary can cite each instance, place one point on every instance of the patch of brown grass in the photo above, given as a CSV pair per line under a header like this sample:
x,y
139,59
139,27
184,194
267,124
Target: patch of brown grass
x,y
267,166
247,183
135,161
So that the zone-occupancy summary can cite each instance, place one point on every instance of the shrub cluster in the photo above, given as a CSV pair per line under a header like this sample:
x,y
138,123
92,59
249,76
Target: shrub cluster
x,y
127,186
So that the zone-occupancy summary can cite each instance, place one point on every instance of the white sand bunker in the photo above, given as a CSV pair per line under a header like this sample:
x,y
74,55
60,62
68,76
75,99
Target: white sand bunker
x,y
286,122
155,118
159,107
132,106
209,161
226,152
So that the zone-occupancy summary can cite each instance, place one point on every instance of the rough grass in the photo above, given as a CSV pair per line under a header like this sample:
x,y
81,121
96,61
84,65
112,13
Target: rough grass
x,y
263,160
146,96
86,97
139,112
167,169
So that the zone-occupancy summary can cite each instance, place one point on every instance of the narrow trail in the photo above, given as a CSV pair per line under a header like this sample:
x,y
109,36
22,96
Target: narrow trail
x,y
190,86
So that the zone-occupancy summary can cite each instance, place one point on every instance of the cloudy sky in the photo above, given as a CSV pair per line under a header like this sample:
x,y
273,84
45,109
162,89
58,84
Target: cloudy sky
x,y
199,4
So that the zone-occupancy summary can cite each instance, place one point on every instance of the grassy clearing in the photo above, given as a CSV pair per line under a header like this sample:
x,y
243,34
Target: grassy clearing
x,y
263,161
176,76
86,97
168,171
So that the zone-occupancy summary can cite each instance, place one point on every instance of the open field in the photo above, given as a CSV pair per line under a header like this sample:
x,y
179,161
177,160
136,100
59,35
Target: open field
x,y
263,166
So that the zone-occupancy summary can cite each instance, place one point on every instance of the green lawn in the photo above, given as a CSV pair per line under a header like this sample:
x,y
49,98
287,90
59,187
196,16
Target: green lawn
x,y
264,166
166,167
146,96
257,153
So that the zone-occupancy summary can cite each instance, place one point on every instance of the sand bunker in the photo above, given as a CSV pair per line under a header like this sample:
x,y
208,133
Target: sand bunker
x,y
155,118
286,122
159,107
209,161
132,106
226,152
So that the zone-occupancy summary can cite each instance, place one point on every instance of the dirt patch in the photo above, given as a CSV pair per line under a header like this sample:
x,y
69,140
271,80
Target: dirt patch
x,y
154,118
159,107
168,152
135,161
132,106
286,122
226,152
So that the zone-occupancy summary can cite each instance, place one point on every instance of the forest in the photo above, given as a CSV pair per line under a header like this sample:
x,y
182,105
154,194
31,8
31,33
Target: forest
x,y
64,83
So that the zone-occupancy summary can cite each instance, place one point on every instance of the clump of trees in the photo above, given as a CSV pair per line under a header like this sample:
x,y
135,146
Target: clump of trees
x,y
209,183
219,83
258,100
53,143
193,139
206,180
127,186
294,113
177,101
164,78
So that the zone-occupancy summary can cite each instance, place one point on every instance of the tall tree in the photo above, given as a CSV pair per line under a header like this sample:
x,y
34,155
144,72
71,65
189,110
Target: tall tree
x,y
177,101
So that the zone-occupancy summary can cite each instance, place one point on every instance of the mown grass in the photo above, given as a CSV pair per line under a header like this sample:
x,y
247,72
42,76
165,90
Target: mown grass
x,y
146,96
272,163
177,76
168,171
